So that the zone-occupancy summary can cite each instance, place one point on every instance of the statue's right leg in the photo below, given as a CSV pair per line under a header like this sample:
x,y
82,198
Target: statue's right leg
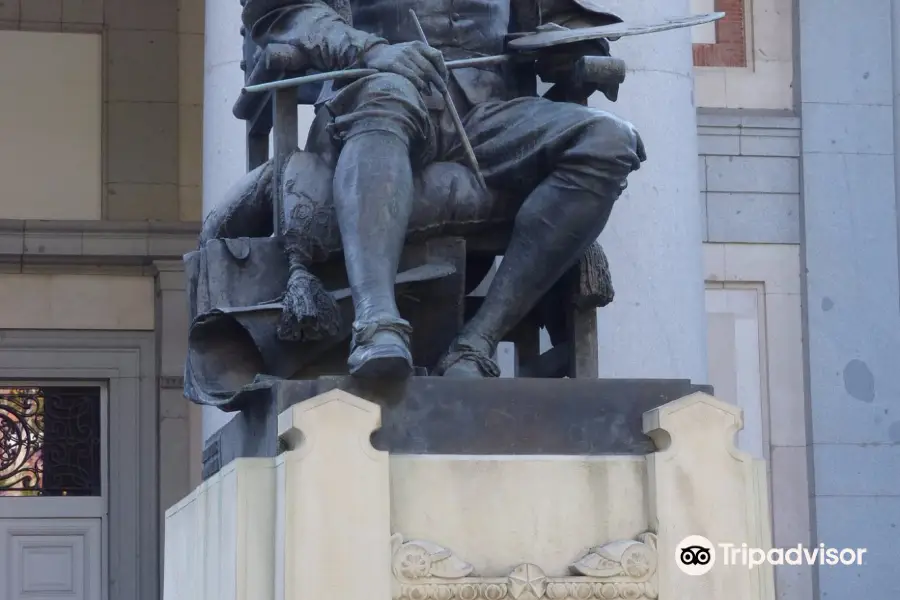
x,y
379,123
571,164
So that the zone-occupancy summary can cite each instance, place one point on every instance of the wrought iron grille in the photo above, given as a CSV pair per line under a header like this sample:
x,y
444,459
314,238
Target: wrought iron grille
x,y
50,441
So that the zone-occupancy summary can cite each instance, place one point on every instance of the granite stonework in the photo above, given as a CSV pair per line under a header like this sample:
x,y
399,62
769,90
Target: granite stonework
x,y
749,174
332,516
850,108
435,415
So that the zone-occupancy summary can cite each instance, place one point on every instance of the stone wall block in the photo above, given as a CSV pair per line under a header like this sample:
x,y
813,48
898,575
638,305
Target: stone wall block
x,y
700,484
332,502
218,541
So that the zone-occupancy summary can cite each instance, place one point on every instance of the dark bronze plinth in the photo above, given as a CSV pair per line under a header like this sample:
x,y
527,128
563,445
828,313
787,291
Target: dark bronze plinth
x,y
435,415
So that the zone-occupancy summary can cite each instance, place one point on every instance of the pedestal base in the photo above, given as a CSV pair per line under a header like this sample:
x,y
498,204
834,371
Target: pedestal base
x,y
333,517
440,415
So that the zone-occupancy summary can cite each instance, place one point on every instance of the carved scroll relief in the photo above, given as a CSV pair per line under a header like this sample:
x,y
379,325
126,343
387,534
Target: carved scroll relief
x,y
617,570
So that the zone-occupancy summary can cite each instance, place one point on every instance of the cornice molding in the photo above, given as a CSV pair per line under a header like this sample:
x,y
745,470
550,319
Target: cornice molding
x,y
95,242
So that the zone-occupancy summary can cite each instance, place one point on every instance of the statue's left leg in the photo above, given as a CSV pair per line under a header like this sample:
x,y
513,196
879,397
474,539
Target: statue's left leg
x,y
570,163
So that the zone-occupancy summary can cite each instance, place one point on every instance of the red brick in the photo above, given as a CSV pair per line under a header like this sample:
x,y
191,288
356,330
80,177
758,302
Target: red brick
x,y
730,49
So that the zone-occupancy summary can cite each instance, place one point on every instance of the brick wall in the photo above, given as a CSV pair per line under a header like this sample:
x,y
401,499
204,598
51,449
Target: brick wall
x,y
730,49
751,63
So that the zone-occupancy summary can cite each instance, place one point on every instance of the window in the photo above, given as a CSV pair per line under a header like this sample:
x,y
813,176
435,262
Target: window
x,y
51,108
50,441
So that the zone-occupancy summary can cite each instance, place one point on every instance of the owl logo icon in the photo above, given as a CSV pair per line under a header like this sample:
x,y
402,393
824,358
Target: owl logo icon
x,y
695,555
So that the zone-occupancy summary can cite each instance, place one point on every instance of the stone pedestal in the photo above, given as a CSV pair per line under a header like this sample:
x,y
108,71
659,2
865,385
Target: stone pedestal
x,y
332,517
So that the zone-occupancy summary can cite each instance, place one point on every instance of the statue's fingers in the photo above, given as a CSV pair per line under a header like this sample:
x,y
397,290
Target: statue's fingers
x,y
411,73
437,59
428,70
284,57
421,63
260,73
641,149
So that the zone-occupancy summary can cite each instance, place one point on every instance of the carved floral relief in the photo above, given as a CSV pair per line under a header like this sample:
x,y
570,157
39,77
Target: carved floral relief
x,y
623,569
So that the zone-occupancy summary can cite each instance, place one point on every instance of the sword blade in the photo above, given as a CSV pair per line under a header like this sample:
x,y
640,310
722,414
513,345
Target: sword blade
x,y
545,39
519,42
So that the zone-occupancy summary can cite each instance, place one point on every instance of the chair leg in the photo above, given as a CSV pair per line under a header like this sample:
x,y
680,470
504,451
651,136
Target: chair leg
x,y
437,311
584,359
528,347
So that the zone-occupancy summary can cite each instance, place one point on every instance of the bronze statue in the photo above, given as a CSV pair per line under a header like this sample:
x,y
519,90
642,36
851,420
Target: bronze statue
x,y
387,162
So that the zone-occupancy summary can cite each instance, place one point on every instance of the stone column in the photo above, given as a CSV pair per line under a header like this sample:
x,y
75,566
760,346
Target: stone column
x,y
895,68
849,90
224,150
177,461
657,325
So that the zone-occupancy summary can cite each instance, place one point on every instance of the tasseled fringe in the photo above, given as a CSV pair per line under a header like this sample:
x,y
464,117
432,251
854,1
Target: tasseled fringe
x,y
310,312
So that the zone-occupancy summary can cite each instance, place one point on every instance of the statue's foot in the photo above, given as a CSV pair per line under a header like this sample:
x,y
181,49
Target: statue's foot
x,y
465,360
380,350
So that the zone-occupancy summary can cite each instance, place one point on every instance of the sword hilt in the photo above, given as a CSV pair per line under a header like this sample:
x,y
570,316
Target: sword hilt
x,y
599,70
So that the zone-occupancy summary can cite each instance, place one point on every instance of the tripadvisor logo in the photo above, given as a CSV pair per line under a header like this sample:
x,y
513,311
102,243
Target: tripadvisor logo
x,y
696,555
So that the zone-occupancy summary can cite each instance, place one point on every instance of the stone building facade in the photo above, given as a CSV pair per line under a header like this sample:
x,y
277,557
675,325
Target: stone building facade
x,y
756,250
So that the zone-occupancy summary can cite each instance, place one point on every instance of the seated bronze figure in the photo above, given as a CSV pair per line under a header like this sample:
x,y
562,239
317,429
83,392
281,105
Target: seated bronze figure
x,y
385,167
